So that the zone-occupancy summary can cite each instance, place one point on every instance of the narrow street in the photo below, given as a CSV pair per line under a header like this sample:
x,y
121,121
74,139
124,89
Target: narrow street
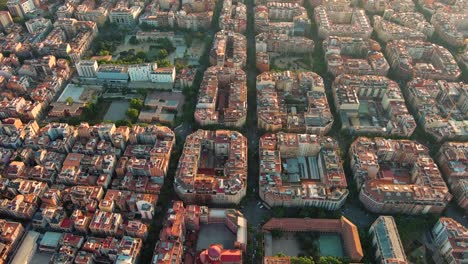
x,y
251,131
254,214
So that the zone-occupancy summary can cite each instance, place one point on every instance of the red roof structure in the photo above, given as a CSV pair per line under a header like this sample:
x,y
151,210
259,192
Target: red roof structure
x,y
215,254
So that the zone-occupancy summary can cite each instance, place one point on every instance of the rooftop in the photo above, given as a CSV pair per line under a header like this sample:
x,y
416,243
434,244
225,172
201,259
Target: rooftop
x,y
388,240
396,176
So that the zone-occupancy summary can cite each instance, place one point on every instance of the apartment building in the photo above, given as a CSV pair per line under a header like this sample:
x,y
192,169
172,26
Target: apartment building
x,y
88,11
172,236
449,27
283,44
105,223
450,239
282,182
294,102
160,15
202,176
37,25
5,19
458,6
262,61
387,31
22,199
143,204
375,6
82,160
195,15
20,8
397,176
342,21
70,38
372,104
441,107
229,50
124,14
452,158
380,6
11,234
65,11
386,241
282,18
233,17
348,55
411,59
223,97
410,19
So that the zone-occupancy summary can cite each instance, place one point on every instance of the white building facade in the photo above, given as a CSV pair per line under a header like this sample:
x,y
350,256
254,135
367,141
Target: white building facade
x,y
87,68
163,75
141,72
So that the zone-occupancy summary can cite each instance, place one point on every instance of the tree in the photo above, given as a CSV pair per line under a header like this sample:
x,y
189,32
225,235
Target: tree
x,y
136,104
103,53
123,122
142,92
3,5
89,111
162,54
141,55
180,65
411,228
164,43
132,113
302,260
164,63
133,40
18,20
329,260
124,54
69,100
278,211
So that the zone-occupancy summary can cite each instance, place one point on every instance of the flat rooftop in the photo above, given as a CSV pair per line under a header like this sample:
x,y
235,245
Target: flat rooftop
x,y
215,234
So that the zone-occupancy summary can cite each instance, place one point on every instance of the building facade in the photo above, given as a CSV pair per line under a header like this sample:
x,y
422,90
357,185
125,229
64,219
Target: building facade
x,y
87,68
